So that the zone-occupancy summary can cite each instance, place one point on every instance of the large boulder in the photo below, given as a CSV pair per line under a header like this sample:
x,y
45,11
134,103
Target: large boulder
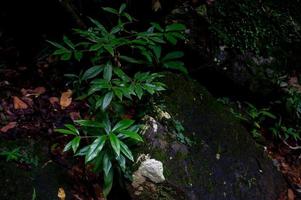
x,y
214,158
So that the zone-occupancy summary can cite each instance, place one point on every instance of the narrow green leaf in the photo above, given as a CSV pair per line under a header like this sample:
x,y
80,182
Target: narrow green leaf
x,y
89,123
75,143
110,10
92,72
107,100
122,8
173,55
132,134
176,65
95,148
109,49
107,74
131,60
123,124
175,27
68,42
72,128
115,143
68,146
64,131
126,151
108,182
107,165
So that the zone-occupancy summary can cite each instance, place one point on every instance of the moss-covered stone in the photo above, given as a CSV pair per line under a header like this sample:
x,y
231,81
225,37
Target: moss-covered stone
x,y
223,161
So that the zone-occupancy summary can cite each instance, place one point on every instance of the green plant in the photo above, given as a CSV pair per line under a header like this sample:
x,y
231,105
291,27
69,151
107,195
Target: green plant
x,y
279,130
109,144
19,155
293,102
105,138
179,131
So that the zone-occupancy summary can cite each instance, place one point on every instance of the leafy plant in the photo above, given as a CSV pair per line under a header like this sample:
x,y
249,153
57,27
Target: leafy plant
x,y
109,144
106,137
279,130
19,155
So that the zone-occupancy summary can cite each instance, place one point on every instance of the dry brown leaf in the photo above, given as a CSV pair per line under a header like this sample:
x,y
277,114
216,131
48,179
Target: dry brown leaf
x,y
290,194
53,100
9,126
39,90
19,104
66,99
75,116
156,5
61,194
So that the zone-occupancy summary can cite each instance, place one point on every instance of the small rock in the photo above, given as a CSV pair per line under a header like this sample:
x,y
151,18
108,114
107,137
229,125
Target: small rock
x,y
152,169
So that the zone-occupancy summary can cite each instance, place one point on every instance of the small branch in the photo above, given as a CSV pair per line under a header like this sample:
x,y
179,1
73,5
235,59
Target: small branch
x,y
291,147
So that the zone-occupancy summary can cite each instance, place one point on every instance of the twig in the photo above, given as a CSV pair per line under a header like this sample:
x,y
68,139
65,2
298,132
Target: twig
x,y
291,147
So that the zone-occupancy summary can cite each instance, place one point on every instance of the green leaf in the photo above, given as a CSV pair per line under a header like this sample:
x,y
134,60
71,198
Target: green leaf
x,y
72,128
129,17
175,65
78,55
107,100
108,182
118,93
122,8
64,131
95,148
110,10
68,146
121,74
115,143
96,47
68,42
92,72
132,134
138,91
157,26
89,123
60,51
175,27
130,60
123,124
107,74
173,55
83,151
66,56
107,165
98,25
75,143
170,38
157,52
109,49
126,151
57,45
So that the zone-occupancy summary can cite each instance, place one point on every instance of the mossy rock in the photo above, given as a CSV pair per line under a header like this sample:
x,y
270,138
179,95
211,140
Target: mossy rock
x,y
39,180
223,161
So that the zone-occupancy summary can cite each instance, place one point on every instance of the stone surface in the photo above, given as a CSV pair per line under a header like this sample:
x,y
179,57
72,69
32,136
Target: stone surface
x,y
223,161
151,169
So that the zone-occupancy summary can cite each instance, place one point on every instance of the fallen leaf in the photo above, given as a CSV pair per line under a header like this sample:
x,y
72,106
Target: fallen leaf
x,y
19,104
156,5
9,126
53,100
61,194
66,99
290,194
39,90
74,116
36,92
